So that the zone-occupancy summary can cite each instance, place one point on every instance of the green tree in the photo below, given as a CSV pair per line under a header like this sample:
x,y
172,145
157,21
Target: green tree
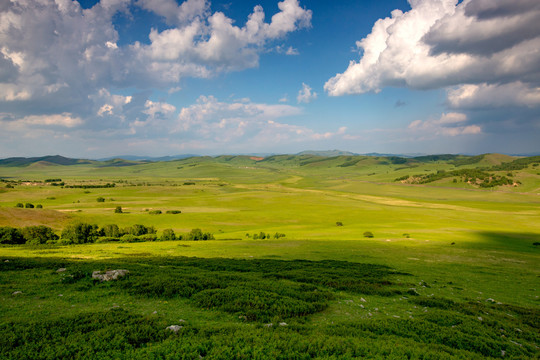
x,y
368,234
79,233
168,234
118,210
111,230
39,234
10,235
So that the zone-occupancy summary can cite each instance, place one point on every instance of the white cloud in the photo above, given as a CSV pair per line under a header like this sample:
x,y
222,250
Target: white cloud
x,y
449,124
440,43
244,122
52,121
305,95
155,108
59,54
486,96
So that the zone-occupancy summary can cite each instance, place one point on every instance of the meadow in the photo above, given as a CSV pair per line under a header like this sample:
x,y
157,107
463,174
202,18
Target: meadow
x,y
451,272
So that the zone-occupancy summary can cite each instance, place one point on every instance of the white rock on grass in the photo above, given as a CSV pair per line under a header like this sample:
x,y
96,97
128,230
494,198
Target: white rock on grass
x,y
174,328
61,270
109,275
16,293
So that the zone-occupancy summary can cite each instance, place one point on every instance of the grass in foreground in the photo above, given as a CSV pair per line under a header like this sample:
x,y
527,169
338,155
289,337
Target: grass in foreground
x,y
227,307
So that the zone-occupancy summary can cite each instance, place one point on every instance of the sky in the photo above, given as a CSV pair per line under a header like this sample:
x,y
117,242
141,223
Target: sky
x,y
100,78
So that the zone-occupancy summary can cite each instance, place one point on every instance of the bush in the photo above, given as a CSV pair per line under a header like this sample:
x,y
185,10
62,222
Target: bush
x,y
118,210
339,223
139,229
39,206
173,212
40,234
29,206
147,237
19,205
100,199
155,212
128,238
168,234
368,234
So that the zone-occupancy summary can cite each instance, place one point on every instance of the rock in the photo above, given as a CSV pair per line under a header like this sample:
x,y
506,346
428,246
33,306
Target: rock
x,y
480,318
503,353
16,293
269,325
363,300
109,275
282,324
61,270
6,260
182,320
174,328
490,300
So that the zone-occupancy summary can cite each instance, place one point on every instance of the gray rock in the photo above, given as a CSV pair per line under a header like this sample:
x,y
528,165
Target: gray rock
x,y
16,293
174,328
61,270
282,324
109,275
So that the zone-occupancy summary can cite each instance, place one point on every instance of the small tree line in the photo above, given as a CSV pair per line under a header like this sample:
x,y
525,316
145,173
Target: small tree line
x,y
83,233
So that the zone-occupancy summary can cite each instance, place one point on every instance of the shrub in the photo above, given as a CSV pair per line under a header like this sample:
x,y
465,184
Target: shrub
x,y
147,237
29,206
19,205
168,234
129,238
368,234
139,229
39,206
173,212
118,210
155,212
100,199
339,223
39,234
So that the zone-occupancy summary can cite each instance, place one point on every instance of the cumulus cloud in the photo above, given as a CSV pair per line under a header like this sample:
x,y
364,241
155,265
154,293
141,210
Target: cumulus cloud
x,y
487,96
305,95
441,43
449,124
55,52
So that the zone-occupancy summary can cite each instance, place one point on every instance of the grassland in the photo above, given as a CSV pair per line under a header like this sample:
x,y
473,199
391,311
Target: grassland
x,y
451,271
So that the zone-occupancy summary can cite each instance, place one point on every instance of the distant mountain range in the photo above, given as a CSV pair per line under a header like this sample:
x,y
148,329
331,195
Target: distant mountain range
x,y
130,160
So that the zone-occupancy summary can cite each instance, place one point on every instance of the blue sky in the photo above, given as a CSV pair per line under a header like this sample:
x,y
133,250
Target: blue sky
x,y
165,77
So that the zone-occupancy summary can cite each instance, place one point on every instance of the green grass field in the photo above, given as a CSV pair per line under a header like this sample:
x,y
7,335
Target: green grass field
x,y
451,272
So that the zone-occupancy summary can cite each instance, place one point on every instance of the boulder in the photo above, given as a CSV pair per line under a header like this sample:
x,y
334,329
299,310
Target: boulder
x,y
109,275
174,328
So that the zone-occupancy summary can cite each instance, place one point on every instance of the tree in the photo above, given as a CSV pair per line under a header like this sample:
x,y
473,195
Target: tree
x,y
10,235
39,234
19,205
368,234
39,206
118,210
29,206
111,230
168,234
79,233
